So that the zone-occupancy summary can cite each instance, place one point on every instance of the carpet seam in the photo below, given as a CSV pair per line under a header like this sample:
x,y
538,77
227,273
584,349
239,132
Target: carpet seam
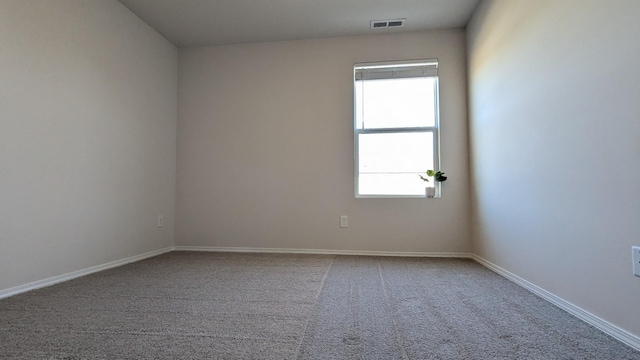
x,y
392,309
353,325
315,304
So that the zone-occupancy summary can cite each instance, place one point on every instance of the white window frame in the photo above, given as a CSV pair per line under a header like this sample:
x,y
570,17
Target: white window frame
x,y
390,66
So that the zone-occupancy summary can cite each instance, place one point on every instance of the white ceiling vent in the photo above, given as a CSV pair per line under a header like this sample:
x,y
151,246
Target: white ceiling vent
x,y
387,24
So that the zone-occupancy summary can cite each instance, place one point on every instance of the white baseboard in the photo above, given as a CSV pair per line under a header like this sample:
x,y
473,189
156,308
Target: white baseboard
x,y
322,251
599,323
72,275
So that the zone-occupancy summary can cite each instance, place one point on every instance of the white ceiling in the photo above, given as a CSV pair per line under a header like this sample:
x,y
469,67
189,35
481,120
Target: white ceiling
x,y
216,22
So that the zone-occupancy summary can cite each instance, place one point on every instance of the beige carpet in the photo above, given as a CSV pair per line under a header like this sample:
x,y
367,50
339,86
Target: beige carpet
x,y
269,306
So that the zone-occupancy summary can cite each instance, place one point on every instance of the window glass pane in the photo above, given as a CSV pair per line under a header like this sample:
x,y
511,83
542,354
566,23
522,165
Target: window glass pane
x,y
389,163
395,103
391,184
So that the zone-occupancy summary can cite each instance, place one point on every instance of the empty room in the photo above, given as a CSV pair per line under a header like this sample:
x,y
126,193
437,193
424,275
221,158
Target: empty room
x,y
302,179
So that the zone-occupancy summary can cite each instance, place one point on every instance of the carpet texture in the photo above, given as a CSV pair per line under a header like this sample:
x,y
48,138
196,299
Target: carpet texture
x,y
185,305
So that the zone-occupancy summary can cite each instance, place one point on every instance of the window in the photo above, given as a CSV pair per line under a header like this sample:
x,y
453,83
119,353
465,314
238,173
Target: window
x,y
396,127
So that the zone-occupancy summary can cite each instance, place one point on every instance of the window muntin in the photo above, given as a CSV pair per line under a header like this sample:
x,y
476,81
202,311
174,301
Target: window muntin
x,y
396,127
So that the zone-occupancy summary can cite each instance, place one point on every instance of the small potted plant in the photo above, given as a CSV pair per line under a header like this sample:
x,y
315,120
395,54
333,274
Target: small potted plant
x,y
437,176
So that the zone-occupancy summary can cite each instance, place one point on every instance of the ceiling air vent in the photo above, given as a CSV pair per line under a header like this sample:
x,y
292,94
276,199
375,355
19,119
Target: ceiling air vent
x,y
386,24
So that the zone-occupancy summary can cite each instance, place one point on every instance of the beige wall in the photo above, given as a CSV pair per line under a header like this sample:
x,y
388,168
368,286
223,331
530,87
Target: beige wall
x,y
87,137
555,123
265,148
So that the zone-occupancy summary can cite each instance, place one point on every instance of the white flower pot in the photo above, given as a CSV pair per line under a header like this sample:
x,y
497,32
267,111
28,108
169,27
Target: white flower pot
x,y
431,192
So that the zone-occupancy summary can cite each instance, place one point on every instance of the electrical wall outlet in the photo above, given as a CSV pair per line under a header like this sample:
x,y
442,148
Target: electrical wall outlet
x,y
160,221
636,260
344,221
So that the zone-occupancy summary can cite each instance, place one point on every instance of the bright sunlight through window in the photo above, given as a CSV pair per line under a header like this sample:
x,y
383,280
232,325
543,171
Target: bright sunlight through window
x,y
396,127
